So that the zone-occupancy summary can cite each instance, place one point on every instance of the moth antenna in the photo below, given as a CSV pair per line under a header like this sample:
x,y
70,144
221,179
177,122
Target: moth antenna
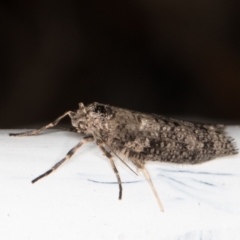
x,y
148,178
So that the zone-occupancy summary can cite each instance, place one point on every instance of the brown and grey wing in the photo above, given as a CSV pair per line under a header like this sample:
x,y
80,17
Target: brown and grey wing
x,y
170,140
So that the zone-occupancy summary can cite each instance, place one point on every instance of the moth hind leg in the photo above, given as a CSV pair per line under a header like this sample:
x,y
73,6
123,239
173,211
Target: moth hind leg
x,y
36,131
148,178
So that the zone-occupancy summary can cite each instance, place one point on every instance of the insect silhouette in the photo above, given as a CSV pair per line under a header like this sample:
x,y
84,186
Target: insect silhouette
x,y
142,137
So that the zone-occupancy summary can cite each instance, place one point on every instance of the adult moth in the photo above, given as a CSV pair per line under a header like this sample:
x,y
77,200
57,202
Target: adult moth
x,y
142,137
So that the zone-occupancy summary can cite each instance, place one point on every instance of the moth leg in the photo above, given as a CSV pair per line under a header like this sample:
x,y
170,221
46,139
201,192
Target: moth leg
x,y
148,178
36,131
68,155
121,160
109,156
69,129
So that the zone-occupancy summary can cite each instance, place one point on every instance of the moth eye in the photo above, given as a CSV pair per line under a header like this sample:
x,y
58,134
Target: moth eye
x,y
101,110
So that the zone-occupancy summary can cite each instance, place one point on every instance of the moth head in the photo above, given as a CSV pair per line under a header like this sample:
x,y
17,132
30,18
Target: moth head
x,y
87,118
79,118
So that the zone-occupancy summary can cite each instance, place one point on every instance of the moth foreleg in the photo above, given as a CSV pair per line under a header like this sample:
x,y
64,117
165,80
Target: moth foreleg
x,y
36,131
69,129
148,178
68,155
110,157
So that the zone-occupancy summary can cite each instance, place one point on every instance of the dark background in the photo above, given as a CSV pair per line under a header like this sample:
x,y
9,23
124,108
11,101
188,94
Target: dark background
x,y
175,58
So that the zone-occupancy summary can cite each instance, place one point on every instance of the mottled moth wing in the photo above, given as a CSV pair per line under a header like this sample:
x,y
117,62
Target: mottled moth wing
x,y
142,137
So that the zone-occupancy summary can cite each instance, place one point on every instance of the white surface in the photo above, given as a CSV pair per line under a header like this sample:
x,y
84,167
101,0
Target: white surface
x,y
200,201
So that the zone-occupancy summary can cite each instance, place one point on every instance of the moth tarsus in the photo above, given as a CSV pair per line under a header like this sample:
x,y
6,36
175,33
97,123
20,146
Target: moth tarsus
x,y
142,137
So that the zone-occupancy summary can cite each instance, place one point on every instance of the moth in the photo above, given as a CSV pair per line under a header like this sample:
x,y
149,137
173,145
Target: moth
x,y
141,137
